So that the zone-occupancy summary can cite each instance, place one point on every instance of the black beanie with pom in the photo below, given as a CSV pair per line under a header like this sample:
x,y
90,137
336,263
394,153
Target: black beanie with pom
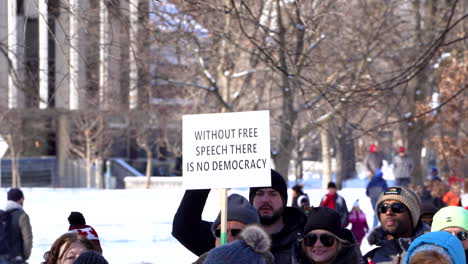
x,y
76,219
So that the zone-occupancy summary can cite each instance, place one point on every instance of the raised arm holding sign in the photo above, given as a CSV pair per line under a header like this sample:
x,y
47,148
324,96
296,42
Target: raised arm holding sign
x,y
226,150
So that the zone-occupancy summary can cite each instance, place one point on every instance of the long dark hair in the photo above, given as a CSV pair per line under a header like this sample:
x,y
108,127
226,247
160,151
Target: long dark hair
x,y
53,255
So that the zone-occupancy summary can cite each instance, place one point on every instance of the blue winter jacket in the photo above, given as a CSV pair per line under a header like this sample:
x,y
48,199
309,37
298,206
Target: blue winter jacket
x,y
443,239
376,186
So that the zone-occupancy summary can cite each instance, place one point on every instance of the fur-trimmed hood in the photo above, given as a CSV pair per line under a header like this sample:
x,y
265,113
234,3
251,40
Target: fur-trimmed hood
x,y
252,246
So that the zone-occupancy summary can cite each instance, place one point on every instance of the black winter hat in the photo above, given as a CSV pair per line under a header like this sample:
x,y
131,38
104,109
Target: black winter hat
x,y
323,218
90,257
76,219
277,183
238,209
331,185
15,194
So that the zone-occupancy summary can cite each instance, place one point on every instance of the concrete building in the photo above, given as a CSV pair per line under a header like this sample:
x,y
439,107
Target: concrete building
x,y
58,57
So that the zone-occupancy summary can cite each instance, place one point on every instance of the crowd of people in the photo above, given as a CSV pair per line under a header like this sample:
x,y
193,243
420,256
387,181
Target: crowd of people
x,y
406,230
412,225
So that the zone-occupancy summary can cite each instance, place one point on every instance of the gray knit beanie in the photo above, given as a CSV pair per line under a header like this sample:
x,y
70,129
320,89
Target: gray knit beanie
x,y
238,209
404,195
252,248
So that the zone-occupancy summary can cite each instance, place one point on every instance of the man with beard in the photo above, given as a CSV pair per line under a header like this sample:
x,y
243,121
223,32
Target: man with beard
x,y
284,224
398,210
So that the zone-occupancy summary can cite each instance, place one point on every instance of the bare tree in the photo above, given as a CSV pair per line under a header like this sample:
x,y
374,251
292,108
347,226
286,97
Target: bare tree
x,y
90,140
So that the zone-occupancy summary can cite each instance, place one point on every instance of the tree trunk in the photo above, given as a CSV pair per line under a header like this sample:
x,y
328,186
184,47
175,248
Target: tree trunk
x,y
12,55
133,51
289,115
15,176
62,146
104,95
43,55
74,101
89,163
345,155
299,167
326,158
340,163
415,144
98,174
149,167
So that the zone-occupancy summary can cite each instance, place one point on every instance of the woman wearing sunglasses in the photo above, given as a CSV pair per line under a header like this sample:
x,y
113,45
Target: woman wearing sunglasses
x,y
324,241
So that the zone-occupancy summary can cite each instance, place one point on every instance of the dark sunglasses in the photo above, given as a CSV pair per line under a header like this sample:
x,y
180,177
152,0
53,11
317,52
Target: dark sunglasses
x,y
396,208
463,235
234,232
326,240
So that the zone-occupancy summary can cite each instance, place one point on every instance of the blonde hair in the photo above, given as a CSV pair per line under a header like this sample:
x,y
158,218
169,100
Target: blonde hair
x,y
429,257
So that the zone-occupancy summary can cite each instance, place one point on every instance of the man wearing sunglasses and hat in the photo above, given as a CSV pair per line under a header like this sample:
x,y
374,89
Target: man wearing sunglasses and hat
x,y
453,219
398,209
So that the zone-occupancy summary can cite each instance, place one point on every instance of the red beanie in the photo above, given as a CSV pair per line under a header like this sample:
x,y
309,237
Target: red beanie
x,y
401,149
373,148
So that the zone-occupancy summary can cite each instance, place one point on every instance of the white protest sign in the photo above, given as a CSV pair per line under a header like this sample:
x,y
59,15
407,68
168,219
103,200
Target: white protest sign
x,y
226,150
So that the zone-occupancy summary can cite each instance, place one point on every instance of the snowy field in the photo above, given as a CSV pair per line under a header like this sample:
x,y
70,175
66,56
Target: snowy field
x,y
134,226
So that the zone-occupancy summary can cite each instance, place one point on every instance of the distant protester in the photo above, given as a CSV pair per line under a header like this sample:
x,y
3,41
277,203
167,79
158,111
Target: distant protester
x,y
78,225
67,248
335,201
357,219
452,197
324,240
304,203
20,237
296,192
435,174
464,197
403,167
437,192
374,189
435,248
427,212
373,160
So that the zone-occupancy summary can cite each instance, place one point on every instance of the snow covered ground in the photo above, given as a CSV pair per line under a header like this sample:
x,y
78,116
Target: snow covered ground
x,y
134,226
